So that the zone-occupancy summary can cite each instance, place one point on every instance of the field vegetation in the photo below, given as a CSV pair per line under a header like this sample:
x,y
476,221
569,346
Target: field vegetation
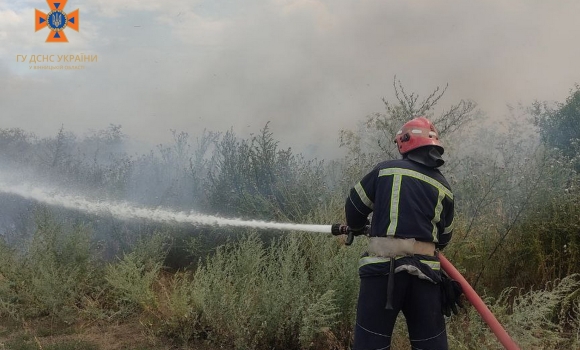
x,y
70,280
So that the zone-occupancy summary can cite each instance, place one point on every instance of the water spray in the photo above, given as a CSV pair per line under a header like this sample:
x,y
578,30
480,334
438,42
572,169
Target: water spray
x,y
127,211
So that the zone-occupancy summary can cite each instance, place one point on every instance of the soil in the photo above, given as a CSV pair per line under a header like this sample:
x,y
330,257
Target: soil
x,y
45,335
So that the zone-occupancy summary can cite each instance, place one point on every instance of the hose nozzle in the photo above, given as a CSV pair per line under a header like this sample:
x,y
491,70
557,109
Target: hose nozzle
x,y
339,229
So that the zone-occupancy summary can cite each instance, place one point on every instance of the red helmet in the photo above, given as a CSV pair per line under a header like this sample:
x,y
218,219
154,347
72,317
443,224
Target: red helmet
x,y
417,133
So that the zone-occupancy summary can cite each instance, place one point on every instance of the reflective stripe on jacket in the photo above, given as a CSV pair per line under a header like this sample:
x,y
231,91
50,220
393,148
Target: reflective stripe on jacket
x,y
408,200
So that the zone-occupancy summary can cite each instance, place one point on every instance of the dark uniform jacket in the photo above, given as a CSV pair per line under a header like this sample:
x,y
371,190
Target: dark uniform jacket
x,y
408,200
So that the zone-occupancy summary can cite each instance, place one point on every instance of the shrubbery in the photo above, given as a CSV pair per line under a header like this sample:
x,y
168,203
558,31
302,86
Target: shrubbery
x,y
298,292
515,239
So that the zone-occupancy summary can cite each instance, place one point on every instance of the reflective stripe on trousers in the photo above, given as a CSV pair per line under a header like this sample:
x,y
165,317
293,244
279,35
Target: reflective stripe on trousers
x,y
418,299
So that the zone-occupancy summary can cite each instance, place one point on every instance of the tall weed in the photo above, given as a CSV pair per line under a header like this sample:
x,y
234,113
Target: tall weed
x,y
52,273
540,319
133,277
253,297
178,315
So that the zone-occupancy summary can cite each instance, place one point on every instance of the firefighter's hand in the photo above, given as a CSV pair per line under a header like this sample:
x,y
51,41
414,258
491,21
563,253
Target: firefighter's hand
x,y
450,295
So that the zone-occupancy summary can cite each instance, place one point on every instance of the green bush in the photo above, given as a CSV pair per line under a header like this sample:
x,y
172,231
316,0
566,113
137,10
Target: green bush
x,y
281,296
541,319
178,316
50,275
132,278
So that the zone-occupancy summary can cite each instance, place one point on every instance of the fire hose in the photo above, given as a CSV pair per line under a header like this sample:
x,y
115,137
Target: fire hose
x,y
470,294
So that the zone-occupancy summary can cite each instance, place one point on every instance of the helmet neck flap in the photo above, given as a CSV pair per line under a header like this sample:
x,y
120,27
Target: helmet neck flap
x,y
426,155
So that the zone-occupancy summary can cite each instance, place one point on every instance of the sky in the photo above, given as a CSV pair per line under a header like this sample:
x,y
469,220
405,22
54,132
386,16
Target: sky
x,y
309,67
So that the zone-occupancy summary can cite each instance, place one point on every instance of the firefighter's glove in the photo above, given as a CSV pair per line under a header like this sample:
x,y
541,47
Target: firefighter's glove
x,y
450,295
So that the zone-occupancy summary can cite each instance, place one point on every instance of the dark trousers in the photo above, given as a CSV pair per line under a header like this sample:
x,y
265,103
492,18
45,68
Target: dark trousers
x,y
418,299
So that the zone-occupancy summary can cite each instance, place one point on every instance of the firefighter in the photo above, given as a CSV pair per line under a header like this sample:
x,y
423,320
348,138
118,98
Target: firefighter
x,y
412,217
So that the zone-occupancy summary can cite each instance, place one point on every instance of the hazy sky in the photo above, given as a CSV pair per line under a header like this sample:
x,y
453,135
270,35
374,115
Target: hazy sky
x,y
310,67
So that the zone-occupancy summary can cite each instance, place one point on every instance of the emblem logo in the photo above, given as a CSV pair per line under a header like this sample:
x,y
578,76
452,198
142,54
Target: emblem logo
x,y
56,20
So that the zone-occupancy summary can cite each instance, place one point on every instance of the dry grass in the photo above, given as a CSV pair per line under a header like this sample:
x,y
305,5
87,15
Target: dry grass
x,y
44,334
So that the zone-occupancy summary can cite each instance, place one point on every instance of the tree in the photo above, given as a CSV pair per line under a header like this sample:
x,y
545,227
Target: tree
x,y
374,139
256,178
559,126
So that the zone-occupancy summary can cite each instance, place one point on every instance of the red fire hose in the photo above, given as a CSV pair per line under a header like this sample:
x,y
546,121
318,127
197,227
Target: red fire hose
x,y
479,305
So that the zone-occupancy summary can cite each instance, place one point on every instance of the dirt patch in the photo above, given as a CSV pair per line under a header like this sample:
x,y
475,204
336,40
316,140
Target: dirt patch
x,y
118,337
43,334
